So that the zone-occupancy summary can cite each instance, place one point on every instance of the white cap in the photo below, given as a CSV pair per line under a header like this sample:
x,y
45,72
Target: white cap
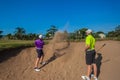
x,y
89,31
40,36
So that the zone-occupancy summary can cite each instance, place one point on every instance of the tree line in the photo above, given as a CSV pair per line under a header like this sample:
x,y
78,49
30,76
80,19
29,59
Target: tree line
x,y
20,34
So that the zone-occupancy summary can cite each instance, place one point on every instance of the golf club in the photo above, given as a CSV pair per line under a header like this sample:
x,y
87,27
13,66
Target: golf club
x,y
100,47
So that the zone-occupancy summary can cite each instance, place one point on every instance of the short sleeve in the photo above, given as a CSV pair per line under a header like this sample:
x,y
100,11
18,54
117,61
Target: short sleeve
x,y
87,41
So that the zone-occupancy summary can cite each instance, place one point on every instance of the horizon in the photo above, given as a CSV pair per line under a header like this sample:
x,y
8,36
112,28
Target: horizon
x,y
36,16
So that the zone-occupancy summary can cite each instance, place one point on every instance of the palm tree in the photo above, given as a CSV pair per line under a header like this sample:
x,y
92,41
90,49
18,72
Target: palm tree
x,y
51,31
19,32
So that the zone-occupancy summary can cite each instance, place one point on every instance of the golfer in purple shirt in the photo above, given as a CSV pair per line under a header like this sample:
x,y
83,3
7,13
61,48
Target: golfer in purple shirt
x,y
39,43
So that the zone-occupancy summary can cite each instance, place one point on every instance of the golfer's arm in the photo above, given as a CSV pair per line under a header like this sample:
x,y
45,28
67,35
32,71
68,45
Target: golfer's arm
x,y
87,47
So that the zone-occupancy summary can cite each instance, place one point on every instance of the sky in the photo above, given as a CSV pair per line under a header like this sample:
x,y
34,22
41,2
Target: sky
x,y
36,16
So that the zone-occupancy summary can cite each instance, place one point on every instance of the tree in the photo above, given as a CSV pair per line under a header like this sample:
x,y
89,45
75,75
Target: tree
x,y
1,33
48,35
51,31
117,31
111,34
10,36
96,35
19,33
72,36
31,36
117,28
114,33
82,32
77,34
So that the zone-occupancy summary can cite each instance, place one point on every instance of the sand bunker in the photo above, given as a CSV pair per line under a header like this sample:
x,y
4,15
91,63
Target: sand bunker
x,y
65,62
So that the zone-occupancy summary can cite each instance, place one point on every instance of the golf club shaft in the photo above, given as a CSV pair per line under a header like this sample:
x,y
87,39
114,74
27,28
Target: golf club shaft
x,y
100,48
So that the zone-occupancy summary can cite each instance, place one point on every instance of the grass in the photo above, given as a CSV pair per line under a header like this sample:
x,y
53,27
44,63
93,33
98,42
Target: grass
x,y
7,44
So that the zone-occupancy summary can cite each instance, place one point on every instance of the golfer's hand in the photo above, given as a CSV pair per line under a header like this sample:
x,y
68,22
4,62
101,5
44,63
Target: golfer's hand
x,y
85,50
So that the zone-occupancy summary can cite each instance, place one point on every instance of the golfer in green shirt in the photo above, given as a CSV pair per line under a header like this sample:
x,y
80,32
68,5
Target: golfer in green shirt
x,y
90,55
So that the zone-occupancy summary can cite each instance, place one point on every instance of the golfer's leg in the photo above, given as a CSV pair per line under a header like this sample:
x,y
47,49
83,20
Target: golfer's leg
x,y
95,70
42,57
37,61
89,68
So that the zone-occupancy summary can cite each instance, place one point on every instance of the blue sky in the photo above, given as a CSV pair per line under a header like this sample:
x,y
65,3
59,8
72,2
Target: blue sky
x,y
36,16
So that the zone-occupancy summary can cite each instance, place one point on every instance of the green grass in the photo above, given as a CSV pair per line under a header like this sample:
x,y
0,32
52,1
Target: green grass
x,y
7,44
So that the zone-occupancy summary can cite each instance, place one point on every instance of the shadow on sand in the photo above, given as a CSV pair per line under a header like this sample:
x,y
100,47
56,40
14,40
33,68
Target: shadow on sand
x,y
56,55
8,53
98,63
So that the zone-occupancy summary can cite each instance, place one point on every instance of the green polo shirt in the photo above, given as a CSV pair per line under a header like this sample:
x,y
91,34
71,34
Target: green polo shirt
x,y
90,40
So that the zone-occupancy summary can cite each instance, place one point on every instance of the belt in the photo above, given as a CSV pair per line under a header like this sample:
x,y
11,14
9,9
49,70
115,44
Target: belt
x,y
90,49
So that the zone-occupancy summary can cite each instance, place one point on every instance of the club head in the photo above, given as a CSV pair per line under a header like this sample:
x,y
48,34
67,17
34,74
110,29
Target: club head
x,y
104,44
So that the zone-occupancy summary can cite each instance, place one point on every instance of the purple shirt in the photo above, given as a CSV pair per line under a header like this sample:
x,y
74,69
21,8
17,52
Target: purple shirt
x,y
39,43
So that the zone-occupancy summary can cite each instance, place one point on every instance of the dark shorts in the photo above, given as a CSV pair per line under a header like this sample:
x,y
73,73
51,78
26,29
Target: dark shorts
x,y
39,53
90,57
